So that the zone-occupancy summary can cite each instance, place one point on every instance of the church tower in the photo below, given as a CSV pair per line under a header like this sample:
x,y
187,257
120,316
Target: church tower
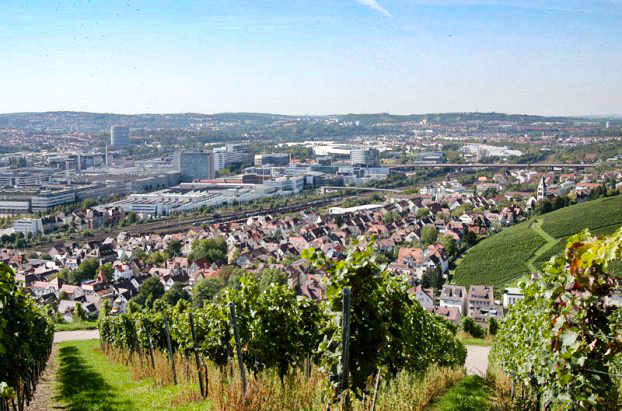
x,y
542,192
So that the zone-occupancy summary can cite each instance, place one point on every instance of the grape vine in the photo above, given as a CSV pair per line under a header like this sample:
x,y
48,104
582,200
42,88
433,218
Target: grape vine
x,y
560,339
26,336
281,331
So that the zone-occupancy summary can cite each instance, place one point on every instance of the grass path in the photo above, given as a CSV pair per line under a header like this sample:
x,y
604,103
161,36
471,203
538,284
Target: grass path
x,y
86,380
470,394
550,243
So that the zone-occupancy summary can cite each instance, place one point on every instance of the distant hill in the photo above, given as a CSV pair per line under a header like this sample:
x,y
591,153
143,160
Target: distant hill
x,y
505,257
85,121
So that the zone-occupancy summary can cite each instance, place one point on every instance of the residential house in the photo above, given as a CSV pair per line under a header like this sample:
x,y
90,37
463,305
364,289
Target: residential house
x,y
454,296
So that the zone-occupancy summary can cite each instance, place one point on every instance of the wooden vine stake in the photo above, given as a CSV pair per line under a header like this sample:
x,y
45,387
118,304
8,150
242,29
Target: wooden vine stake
x,y
149,342
137,343
236,335
170,349
345,344
373,403
196,354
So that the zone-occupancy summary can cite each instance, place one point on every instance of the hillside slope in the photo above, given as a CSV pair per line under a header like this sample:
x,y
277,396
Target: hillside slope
x,y
505,257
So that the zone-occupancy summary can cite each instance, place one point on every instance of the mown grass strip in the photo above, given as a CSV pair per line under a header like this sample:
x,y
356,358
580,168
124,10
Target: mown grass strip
x,y
469,394
75,326
86,380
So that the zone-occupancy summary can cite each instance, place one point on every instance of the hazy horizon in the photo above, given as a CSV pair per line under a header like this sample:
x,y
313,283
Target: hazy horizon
x,y
609,115
312,57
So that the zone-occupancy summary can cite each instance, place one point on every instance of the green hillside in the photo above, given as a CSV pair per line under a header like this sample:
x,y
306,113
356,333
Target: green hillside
x,y
505,257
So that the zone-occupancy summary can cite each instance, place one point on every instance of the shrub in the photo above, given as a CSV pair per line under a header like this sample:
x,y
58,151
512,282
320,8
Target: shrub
x,y
472,328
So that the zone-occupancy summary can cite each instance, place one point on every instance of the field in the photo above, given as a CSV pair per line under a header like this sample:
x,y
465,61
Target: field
x,y
503,258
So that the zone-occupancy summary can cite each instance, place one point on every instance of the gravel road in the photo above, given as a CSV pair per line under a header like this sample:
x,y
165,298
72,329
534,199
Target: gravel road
x,y
477,360
61,336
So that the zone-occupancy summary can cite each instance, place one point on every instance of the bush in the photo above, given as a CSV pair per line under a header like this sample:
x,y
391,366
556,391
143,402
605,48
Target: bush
x,y
472,328
493,326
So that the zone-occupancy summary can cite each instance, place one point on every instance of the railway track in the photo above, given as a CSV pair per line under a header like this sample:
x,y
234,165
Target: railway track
x,y
179,225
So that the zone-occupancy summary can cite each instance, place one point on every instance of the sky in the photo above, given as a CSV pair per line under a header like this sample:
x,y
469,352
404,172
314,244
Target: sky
x,y
312,57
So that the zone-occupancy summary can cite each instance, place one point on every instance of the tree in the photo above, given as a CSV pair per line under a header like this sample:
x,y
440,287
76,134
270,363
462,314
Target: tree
x,y
493,326
108,271
175,294
422,212
428,234
432,279
389,217
470,238
138,253
150,290
214,248
543,206
270,276
206,290
449,242
174,248
88,268
78,313
156,258
63,295
88,203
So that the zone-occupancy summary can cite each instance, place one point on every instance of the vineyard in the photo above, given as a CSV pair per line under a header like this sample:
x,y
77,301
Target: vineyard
x,y
503,258
596,214
499,259
26,335
561,344
369,330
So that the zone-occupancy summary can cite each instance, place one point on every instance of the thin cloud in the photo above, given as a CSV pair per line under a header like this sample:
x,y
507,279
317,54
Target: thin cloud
x,y
373,4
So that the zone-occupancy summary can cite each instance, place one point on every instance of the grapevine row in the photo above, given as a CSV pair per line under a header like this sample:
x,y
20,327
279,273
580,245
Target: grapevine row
x,y
281,331
26,337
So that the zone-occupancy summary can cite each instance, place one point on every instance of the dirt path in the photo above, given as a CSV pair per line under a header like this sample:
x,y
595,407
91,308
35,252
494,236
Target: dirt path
x,y
61,336
42,398
477,360
550,243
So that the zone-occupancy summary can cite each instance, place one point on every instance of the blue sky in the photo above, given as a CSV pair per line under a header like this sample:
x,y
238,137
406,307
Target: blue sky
x,y
312,57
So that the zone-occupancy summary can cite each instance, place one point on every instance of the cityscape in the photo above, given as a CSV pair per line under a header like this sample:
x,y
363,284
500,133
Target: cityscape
x,y
361,205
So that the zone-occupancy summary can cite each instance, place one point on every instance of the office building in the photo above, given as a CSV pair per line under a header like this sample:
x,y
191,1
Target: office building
x,y
28,225
220,158
46,200
194,165
364,157
287,184
275,159
119,136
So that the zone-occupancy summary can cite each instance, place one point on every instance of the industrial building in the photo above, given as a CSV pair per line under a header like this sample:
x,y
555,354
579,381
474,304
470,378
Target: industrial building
x,y
189,197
